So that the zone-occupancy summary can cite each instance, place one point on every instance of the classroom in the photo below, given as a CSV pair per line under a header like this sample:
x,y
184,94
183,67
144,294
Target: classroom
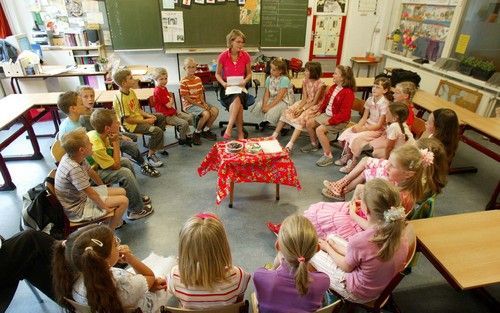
x,y
249,156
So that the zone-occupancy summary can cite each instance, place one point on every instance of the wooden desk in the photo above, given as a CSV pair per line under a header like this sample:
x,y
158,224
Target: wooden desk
x,y
57,71
359,61
107,96
464,248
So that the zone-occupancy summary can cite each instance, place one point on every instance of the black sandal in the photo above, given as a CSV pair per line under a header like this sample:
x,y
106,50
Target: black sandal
x,y
149,170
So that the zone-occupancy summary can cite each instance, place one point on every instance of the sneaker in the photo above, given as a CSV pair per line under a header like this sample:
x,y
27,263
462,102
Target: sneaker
x,y
343,160
154,161
147,210
209,135
324,161
197,139
164,152
309,148
150,171
348,168
185,142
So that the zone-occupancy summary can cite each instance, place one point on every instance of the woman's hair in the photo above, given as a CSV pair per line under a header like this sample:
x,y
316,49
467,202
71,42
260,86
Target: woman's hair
x,y
408,88
348,76
298,243
314,69
280,64
400,110
204,254
85,253
384,205
233,34
446,130
439,170
410,159
386,84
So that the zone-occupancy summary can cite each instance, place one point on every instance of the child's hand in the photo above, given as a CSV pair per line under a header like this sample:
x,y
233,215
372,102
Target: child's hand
x,y
114,137
159,284
125,253
324,245
126,138
150,120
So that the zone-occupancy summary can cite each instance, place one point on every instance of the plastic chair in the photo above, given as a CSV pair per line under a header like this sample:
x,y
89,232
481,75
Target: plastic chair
x,y
334,307
418,127
240,307
69,226
386,295
57,151
423,210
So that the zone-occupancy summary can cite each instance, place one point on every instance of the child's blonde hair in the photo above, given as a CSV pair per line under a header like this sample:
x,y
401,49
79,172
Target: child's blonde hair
x,y
158,71
204,254
408,88
101,118
410,158
438,172
188,61
66,100
384,205
298,243
120,75
74,140
83,88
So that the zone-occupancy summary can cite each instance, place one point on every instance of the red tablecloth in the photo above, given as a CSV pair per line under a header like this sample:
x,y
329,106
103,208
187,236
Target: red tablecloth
x,y
275,168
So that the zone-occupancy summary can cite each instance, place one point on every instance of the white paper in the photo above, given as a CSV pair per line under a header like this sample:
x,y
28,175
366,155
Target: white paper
x,y
90,6
233,83
106,36
199,1
95,17
173,26
270,146
168,4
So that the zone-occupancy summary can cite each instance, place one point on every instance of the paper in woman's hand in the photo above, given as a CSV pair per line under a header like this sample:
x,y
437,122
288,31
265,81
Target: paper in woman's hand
x,y
233,85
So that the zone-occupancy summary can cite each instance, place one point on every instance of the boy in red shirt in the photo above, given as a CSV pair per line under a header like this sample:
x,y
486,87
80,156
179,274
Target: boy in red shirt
x,y
164,104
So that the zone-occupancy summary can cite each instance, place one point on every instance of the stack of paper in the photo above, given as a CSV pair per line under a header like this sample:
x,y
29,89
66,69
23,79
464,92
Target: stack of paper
x,y
270,146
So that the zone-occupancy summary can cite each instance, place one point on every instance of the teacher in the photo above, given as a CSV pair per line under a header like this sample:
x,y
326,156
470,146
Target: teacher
x,y
234,62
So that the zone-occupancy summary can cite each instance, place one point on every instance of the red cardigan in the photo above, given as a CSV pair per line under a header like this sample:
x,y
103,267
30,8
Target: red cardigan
x,y
341,107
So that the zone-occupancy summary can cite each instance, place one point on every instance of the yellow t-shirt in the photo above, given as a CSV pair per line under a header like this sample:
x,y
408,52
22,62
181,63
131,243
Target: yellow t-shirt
x,y
127,106
102,152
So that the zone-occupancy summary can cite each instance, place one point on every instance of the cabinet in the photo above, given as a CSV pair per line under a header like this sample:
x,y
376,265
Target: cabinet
x,y
79,54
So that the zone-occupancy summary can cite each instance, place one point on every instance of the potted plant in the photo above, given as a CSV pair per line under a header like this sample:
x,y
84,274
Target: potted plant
x,y
466,65
483,70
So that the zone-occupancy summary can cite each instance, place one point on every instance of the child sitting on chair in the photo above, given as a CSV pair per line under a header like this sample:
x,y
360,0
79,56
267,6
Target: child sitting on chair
x,y
135,120
127,145
72,105
82,202
194,102
164,104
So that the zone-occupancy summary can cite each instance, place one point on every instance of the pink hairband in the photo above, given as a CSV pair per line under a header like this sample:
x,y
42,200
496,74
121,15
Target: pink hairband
x,y
207,215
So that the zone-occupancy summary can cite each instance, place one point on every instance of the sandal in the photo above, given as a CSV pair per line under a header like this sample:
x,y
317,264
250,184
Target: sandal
x,y
146,199
334,187
328,194
150,171
349,167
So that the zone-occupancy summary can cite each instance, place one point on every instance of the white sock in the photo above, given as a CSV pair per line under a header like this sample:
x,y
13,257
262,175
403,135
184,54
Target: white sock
x,y
197,131
289,145
206,129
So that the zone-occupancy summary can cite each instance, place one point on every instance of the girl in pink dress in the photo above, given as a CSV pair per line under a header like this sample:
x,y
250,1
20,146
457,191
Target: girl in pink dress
x,y
313,90
370,127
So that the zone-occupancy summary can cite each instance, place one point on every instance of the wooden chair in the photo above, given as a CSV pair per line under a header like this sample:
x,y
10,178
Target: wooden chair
x,y
69,226
386,295
418,127
83,308
334,307
57,151
240,307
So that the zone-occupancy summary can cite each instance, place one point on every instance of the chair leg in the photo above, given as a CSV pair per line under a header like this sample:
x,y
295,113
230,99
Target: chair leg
x,y
35,292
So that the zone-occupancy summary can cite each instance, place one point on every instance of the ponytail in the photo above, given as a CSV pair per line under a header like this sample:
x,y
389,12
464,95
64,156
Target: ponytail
x,y
302,276
63,276
99,283
403,130
401,111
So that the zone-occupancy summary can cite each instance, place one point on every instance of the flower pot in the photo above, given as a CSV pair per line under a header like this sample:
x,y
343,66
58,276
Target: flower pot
x,y
464,69
481,74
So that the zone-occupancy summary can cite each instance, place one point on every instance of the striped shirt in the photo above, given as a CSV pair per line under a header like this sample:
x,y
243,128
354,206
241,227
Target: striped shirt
x,y
193,88
71,179
223,293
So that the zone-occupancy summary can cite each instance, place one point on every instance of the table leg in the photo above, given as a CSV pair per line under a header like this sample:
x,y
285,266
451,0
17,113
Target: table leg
x,y
231,194
277,192
493,204
8,184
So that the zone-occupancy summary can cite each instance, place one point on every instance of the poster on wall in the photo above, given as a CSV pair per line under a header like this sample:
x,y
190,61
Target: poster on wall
x,y
173,26
250,13
74,7
327,35
331,7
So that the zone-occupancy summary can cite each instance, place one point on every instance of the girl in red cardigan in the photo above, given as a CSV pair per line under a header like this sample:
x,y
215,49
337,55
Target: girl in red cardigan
x,y
335,113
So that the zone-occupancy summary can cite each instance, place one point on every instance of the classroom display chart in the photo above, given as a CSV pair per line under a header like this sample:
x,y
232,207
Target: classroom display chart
x,y
283,23
430,21
327,35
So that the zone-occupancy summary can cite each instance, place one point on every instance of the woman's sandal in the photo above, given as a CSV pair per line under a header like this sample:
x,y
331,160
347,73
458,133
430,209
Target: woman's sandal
x,y
328,194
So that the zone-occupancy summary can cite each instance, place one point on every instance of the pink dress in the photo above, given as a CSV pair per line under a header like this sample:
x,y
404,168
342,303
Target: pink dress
x,y
376,168
312,87
356,141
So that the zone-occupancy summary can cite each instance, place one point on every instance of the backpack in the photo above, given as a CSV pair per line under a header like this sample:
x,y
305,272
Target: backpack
x,y
7,52
399,75
39,213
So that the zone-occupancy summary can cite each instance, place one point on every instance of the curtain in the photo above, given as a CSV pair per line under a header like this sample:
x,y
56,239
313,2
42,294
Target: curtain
x,y
4,24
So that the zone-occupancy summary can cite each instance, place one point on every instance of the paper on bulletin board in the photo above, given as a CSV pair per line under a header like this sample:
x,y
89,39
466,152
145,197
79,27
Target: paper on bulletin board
x,y
250,12
173,26
90,6
168,4
95,17
106,35
327,34
462,43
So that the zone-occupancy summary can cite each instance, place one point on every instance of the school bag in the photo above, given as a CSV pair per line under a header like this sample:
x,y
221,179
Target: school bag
x,y
7,52
39,213
399,75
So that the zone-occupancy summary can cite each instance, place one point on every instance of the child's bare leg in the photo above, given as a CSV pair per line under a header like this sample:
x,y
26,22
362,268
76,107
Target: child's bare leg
x,y
214,112
119,204
353,183
204,117
321,132
311,125
116,191
279,127
295,135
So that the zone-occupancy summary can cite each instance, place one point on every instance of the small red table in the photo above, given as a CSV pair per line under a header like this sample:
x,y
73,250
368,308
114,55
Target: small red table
x,y
243,167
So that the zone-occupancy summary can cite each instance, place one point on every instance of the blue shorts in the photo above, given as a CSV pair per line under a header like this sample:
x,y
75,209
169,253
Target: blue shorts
x,y
196,110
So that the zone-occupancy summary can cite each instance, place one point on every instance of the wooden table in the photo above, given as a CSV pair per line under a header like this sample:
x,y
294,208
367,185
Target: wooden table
x,y
464,248
107,96
57,71
369,62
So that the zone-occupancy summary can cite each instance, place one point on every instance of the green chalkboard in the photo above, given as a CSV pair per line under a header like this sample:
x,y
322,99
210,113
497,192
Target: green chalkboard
x,y
206,25
134,24
283,23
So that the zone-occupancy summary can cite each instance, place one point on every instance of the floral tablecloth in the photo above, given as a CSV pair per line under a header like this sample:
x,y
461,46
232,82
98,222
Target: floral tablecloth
x,y
244,167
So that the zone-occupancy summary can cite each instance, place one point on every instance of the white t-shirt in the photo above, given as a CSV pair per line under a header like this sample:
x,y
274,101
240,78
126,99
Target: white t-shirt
x,y
394,133
376,109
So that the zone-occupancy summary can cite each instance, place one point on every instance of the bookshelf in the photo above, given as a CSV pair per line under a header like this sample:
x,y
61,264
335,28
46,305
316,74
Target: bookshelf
x,y
81,54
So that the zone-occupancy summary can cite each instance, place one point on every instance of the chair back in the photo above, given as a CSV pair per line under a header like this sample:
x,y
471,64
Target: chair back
x,y
333,307
358,105
57,151
240,307
83,308
424,209
418,127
